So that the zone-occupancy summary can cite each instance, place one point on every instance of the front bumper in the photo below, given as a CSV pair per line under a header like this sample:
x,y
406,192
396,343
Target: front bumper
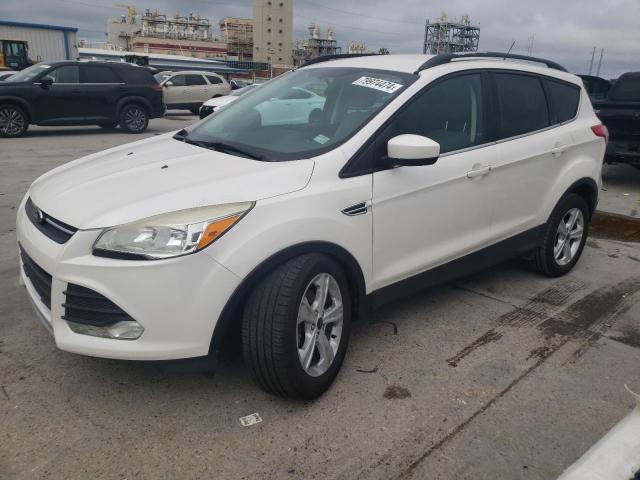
x,y
177,301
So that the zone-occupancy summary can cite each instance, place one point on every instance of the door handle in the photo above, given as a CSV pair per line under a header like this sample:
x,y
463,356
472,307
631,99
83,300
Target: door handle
x,y
479,172
558,150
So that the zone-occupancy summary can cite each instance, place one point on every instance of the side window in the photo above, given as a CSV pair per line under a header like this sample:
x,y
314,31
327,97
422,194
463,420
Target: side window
x,y
65,74
214,80
179,80
194,80
451,113
136,75
523,105
95,74
564,99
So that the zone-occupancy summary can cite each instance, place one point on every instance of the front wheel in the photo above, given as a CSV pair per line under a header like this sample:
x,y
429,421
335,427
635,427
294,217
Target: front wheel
x,y
13,121
564,239
295,327
134,118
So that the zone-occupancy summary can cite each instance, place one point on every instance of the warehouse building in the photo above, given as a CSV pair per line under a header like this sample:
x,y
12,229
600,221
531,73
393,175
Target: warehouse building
x,y
46,42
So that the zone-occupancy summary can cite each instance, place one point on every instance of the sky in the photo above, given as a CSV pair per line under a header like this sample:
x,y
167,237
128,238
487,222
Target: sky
x,y
562,30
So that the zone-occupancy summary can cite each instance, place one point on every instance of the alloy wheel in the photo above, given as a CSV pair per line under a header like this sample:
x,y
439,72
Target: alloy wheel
x,y
568,236
320,321
135,119
11,121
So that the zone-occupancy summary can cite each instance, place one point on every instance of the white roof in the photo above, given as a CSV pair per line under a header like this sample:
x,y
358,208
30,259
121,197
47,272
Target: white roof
x,y
411,63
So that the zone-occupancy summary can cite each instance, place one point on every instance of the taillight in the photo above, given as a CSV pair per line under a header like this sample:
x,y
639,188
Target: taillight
x,y
601,131
156,88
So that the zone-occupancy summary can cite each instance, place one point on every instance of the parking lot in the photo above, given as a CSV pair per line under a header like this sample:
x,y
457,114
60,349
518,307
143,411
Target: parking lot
x,y
504,374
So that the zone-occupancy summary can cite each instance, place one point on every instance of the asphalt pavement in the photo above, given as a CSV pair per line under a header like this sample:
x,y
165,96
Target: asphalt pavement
x,y
501,375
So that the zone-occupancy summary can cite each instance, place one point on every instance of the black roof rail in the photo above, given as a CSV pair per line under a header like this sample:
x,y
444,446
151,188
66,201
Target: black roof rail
x,y
337,56
449,57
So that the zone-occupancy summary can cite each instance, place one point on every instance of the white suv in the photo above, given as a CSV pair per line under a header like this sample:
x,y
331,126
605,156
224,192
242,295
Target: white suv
x,y
411,171
188,90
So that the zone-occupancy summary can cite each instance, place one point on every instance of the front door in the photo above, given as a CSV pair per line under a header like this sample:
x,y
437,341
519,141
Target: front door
x,y
60,101
426,216
176,91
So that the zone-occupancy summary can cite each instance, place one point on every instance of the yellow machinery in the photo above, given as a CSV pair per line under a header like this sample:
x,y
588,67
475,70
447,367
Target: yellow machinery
x,y
14,54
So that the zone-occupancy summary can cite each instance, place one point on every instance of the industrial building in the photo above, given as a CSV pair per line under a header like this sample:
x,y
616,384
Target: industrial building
x,y
443,36
273,32
155,32
46,43
316,46
237,33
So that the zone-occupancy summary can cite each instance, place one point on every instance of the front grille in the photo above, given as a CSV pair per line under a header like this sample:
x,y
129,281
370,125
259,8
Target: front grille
x,y
56,230
88,307
39,278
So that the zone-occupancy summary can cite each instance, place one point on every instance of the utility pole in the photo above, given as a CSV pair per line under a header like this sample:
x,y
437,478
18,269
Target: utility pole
x,y
600,62
593,54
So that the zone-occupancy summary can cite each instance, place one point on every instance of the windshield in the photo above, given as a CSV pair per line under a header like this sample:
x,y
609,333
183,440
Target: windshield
x,y
28,73
303,113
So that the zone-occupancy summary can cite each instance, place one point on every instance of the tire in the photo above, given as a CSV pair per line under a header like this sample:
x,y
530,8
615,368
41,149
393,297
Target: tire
x,y
108,125
134,118
13,121
273,340
573,212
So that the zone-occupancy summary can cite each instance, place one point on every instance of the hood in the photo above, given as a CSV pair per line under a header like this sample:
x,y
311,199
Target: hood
x,y
158,175
220,101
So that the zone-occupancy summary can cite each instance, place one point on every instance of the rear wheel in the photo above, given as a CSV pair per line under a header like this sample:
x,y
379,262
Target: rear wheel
x,y
296,326
13,121
134,118
564,239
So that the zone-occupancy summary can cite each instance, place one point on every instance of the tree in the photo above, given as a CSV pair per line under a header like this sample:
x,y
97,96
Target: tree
x,y
383,51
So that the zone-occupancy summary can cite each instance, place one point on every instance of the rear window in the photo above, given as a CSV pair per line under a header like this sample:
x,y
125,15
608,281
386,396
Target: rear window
x,y
137,75
626,89
523,104
95,74
564,98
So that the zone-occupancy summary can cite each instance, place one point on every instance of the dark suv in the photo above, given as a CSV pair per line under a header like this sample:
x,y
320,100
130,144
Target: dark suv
x,y
80,93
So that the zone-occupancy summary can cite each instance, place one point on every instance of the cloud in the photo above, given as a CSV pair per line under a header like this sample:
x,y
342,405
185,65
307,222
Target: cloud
x,y
565,31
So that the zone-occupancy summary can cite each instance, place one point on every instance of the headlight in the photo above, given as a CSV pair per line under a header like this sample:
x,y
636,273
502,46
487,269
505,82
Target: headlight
x,y
170,234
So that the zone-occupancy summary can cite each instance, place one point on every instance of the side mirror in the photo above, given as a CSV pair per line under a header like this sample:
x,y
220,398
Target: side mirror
x,y
168,84
46,81
412,150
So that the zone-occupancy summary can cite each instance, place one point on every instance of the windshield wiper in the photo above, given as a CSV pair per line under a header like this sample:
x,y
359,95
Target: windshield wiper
x,y
222,147
183,136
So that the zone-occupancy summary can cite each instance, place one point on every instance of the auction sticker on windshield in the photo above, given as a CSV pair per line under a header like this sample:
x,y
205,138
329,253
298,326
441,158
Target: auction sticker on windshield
x,y
378,84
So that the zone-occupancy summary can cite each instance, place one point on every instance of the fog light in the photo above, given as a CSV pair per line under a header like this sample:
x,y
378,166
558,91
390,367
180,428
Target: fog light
x,y
129,330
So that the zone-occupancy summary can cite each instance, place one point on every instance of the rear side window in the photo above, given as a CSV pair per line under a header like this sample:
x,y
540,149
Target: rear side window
x,y
137,75
564,98
214,80
627,89
193,80
94,74
523,105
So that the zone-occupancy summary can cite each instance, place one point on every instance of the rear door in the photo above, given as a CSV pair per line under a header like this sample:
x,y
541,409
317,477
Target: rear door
x,y
100,88
61,101
217,86
198,88
535,146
